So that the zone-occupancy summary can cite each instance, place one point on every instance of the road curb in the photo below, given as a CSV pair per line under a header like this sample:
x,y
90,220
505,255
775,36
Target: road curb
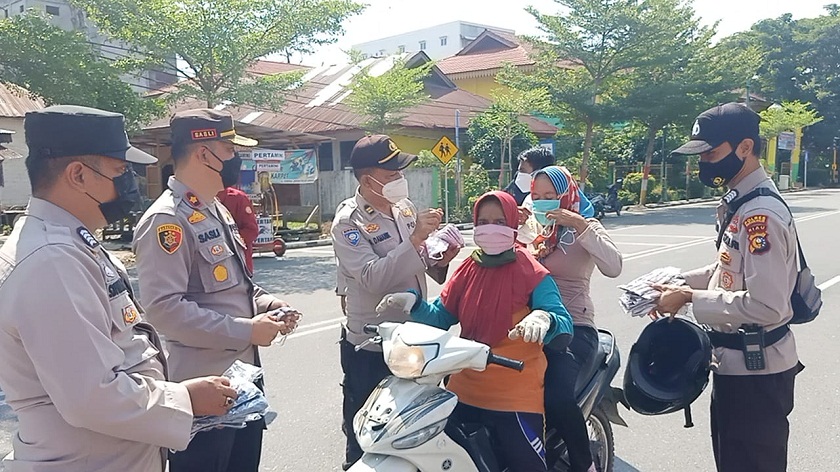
x,y
303,244
652,206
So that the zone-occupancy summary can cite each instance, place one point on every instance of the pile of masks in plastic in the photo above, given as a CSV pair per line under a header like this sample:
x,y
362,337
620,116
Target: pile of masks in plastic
x,y
640,298
249,405
441,240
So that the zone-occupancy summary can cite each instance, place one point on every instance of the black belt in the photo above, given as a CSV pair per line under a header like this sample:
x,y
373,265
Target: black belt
x,y
735,341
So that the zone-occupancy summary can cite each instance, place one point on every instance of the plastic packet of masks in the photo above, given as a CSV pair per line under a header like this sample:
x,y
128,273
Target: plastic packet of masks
x,y
640,298
249,405
441,240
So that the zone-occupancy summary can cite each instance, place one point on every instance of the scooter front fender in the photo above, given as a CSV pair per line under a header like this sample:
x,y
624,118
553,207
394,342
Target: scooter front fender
x,y
382,463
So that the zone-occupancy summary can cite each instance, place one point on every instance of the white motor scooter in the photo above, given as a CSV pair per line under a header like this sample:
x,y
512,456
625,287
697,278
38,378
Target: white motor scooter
x,y
403,425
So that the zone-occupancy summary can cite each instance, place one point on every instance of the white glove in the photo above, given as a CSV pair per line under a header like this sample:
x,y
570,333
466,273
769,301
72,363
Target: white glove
x,y
402,300
532,328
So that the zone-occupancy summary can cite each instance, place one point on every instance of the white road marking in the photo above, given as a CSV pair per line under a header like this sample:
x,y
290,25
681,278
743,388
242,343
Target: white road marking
x,y
829,283
669,236
627,258
631,243
664,249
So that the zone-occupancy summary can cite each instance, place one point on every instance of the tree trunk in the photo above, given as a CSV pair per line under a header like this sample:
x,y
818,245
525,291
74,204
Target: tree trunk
x,y
651,136
587,148
501,161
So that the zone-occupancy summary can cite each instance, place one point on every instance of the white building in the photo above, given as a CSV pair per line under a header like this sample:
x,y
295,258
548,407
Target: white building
x,y
437,41
70,18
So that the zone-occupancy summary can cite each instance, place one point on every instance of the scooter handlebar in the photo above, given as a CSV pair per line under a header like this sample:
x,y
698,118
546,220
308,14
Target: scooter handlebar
x,y
505,362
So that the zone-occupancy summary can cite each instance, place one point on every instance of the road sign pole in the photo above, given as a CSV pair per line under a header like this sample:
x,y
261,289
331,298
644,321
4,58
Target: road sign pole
x,y
445,150
446,195
805,174
458,184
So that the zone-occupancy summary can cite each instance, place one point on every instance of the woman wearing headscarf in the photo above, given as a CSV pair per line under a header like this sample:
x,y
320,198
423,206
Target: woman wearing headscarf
x,y
503,298
570,245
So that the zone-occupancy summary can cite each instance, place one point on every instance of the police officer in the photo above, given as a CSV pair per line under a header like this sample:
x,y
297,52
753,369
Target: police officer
x,y
82,370
744,296
196,285
378,238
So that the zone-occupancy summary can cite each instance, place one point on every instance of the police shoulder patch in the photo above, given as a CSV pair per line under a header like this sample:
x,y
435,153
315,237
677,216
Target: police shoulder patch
x,y
756,227
170,236
88,238
353,236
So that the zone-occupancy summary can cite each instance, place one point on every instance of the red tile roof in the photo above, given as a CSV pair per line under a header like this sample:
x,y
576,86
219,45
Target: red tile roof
x,y
486,54
488,51
15,101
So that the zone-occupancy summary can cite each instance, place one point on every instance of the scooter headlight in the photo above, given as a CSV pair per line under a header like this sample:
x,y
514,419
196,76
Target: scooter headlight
x,y
406,361
418,438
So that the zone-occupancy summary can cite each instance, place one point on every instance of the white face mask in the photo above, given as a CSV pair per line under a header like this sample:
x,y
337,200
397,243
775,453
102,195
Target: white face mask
x,y
523,181
394,191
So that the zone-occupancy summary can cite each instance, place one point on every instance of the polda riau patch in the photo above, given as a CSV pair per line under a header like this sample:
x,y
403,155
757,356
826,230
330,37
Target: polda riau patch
x,y
170,237
756,227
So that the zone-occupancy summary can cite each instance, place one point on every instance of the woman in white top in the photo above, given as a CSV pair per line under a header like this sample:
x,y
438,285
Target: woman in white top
x,y
573,244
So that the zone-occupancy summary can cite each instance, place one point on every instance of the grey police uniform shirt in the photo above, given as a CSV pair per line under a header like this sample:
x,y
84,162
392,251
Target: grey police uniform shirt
x,y
752,279
194,283
375,257
81,369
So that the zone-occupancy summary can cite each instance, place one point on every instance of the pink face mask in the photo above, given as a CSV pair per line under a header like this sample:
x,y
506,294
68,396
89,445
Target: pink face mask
x,y
494,239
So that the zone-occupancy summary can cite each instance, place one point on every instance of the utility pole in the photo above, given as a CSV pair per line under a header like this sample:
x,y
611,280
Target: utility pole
x,y
458,185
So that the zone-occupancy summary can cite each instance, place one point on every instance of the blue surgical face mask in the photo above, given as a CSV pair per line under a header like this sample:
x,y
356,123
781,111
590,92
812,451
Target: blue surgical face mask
x,y
541,207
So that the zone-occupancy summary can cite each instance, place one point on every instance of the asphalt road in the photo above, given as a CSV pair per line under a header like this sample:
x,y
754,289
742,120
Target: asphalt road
x,y
303,374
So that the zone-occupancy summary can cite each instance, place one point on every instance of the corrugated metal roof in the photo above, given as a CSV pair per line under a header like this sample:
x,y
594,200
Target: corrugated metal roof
x,y
6,153
15,102
261,67
318,107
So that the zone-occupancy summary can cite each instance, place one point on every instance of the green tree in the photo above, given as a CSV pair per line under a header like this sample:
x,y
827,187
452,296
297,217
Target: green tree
x,y
62,67
487,138
384,97
789,116
585,52
678,78
511,105
798,63
219,40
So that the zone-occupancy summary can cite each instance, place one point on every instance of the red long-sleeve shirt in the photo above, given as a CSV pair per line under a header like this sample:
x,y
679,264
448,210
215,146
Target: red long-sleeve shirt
x,y
239,205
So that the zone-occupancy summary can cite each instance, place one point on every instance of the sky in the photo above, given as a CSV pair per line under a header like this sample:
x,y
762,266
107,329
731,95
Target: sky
x,y
385,18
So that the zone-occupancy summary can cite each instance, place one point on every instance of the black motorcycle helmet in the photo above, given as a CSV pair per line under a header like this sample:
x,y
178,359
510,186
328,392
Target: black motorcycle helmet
x,y
668,367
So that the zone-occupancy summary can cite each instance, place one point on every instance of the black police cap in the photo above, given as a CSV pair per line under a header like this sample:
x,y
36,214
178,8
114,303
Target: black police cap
x,y
728,123
380,151
205,124
69,130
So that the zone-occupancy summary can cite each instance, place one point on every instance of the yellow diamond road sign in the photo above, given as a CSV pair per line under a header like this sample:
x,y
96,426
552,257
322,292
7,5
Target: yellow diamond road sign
x,y
444,150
